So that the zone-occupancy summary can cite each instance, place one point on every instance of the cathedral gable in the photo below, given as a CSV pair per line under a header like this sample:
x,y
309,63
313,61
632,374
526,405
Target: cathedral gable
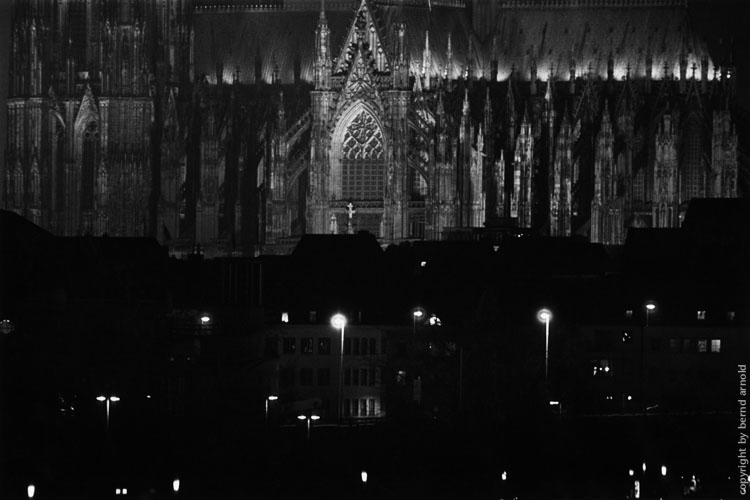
x,y
363,41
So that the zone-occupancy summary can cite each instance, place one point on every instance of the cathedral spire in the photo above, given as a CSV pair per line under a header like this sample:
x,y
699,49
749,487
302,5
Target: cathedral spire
x,y
426,60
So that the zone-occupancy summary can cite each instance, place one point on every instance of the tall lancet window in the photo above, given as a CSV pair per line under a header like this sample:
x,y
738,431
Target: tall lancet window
x,y
89,162
363,160
693,167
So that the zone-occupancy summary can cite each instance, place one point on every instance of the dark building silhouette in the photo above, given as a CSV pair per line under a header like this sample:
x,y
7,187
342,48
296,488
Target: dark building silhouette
x,y
243,125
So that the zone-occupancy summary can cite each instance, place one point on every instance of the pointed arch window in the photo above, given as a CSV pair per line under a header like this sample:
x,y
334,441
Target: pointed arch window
x,y
363,160
89,162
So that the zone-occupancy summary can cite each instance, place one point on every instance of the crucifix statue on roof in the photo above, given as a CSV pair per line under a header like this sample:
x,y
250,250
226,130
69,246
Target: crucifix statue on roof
x,y
350,213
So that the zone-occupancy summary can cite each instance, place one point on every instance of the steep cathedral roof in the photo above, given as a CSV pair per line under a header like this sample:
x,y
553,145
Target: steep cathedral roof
x,y
519,34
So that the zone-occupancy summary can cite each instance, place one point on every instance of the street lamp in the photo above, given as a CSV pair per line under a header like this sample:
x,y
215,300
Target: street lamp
x,y
176,486
338,321
309,419
269,398
205,319
363,476
650,307
416,314
108,399
545,316
30,490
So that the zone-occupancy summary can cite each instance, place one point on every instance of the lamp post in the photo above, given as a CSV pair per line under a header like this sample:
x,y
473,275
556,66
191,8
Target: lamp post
x,y
416,314
107,400
309,420
338,321
545,316
268,399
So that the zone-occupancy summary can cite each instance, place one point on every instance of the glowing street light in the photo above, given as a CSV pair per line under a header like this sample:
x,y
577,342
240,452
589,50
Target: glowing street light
x,y
270,398
108,399
30,490
545,316
650,307
663,470
338,321
205,319
417,314
363,476
309,420
176,485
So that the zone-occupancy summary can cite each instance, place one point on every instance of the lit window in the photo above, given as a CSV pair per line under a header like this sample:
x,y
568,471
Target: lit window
x,y
601,367
730,315
629,313
701,315
401,377
285,317
702,345
715,345
307,345
324,345
313,316
423,263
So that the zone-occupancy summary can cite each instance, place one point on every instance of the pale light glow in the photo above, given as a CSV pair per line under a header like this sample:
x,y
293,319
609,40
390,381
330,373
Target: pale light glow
x,y
285,317
418,313
205,319
631,473
504,475
644,466
101,398
118,491
315,417
363,475
30,490
650,306
124,491
114,398
273,398
554,403
544,315
176,485
338,321
663,470
301,417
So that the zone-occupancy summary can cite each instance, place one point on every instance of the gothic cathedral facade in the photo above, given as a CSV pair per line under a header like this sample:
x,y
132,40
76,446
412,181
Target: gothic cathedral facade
x,y
239,126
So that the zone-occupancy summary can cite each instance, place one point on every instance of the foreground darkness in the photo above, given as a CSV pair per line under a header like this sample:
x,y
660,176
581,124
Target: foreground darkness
x,y
108,316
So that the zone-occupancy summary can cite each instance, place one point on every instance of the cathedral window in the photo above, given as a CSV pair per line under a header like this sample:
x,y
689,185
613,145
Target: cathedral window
x,y
88,164
363,166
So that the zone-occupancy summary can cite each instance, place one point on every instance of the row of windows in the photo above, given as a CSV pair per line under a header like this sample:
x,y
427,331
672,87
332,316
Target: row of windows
x,y
352,376
604,341
361,376
700,314
309,345
287,377
692,345
359,408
